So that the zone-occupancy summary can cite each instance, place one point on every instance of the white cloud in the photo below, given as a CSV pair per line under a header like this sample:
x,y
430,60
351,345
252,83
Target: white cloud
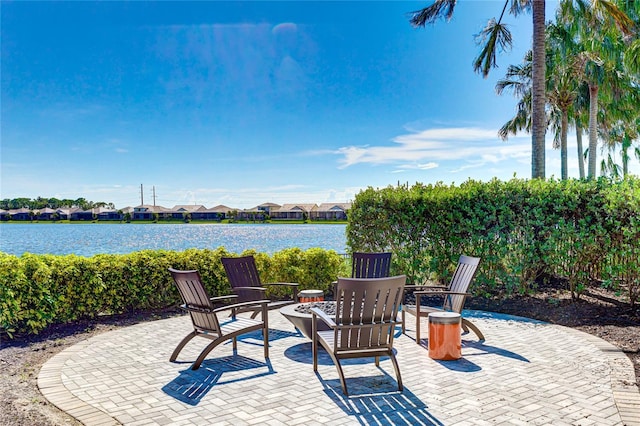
x,y
417,166
471,146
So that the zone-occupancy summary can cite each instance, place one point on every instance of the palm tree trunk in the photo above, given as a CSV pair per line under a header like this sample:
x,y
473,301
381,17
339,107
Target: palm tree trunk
x,y
593,129
538,119
626,144
580,150
564,124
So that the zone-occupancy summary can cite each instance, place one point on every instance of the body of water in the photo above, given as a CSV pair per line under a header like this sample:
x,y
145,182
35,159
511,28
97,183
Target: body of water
x,y
90,239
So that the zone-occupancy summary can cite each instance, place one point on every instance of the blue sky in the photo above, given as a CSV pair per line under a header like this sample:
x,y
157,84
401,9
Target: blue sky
x,y
240,103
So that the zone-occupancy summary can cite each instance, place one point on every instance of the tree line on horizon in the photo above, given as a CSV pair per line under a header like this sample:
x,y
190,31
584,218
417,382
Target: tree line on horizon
x,y
52,203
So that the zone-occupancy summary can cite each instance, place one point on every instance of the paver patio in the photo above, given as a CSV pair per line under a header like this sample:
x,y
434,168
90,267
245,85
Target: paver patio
x,y
526,372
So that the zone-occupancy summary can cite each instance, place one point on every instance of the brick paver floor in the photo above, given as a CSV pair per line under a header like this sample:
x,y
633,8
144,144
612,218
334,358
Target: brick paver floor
x,y
526,372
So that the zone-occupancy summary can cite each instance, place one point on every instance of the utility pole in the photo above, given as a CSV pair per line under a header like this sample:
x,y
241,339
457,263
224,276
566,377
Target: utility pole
x,y
154,195
141,196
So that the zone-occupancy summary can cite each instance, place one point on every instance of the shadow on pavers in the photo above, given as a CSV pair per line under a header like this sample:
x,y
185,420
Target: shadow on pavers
x,y
376,400
465,365
302,353
191,386
485,349
255,337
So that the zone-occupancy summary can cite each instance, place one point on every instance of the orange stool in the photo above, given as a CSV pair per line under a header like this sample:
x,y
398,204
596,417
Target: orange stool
x,y
445,341
306,296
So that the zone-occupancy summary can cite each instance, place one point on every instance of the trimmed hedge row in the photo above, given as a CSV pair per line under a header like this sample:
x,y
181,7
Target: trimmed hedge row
x,y
38,290
524,231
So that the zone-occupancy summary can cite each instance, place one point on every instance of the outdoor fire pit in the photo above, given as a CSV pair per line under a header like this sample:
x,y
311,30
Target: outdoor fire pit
x,y
300,315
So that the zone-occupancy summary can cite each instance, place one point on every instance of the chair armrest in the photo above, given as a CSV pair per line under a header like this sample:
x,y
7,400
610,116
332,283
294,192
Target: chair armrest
x,y
323,316
415,287
221,298
240,305
294,288
196,309
288,284
442,293
258,289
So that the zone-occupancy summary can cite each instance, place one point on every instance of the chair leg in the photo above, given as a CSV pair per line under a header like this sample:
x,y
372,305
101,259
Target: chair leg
x,y
205,352
181,345
418,327
314,342
377,361
265,333
343,382
473,328
403,319
395,367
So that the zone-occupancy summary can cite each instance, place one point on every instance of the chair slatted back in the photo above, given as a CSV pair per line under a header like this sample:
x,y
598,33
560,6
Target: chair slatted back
x,y
194,295
462,278
370,265
242,272
367,312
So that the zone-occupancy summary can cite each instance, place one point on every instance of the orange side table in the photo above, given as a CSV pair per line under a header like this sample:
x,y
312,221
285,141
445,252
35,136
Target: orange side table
x,y
445,341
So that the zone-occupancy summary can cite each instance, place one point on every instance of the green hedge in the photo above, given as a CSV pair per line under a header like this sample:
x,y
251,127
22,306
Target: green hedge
x,y
39,290
524,231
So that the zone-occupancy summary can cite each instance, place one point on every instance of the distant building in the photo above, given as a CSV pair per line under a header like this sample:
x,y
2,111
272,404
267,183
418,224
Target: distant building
x,y
98,213
331,211
145,212
265,211
293,211
20,214
46,214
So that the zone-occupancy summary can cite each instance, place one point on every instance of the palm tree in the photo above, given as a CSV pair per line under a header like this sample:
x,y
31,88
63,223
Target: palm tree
x,y
517,80
624,130
562,87
560,95
496,36
580,120
599,62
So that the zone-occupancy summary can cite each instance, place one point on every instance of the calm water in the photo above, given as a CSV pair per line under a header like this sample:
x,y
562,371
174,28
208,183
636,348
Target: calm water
x,y
90,239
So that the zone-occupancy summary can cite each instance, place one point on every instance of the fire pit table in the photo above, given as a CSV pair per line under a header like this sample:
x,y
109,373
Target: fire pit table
x,y
300,315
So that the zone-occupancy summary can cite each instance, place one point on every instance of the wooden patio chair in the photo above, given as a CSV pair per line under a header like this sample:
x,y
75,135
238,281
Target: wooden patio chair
x,y
245,283
207,323
454,296
370,265
364,323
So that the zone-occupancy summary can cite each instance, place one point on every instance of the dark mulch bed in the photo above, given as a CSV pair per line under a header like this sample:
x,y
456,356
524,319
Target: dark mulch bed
x,y
598,312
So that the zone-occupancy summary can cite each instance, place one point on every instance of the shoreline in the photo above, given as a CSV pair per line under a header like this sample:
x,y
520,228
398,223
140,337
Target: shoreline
x,y
176,222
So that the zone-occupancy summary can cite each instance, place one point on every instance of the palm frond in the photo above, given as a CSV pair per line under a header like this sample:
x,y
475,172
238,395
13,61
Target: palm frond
x,y
632,58
519,6
430,14
609,11
496,37
519,89
521,121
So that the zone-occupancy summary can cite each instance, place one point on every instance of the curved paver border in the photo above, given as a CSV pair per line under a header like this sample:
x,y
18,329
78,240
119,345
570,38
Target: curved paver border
x,y
623,378
53,389
625,392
